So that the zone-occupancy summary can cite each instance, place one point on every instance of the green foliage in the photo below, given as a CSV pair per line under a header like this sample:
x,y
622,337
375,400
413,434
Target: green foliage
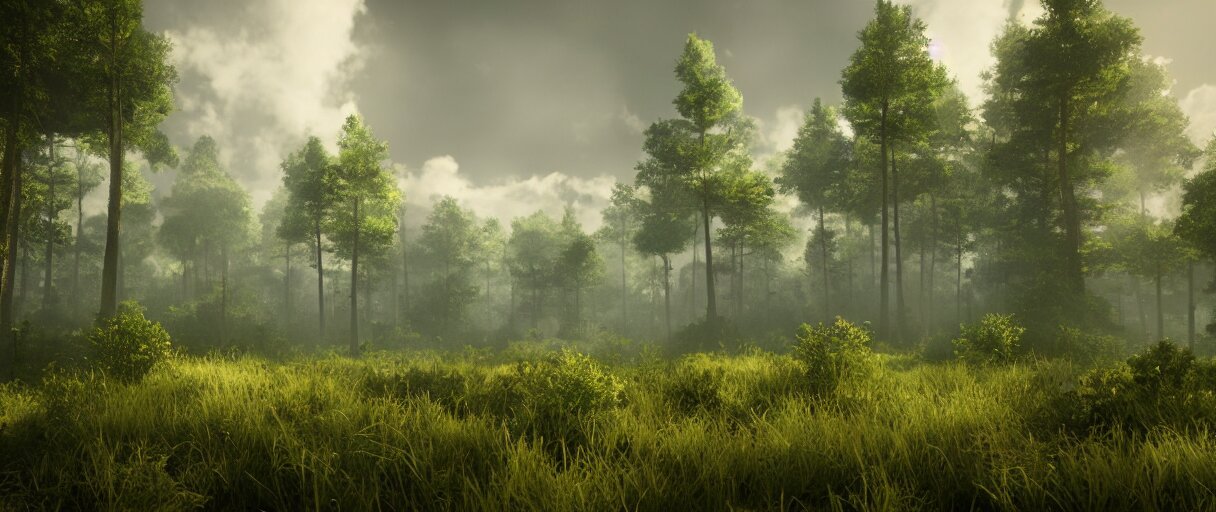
x,y
1085,347
834,353
128,346
1165,385
552,398
995,339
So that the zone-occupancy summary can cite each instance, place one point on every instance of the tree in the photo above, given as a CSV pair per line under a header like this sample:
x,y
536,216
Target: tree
x,y
131,91
578,265
1077,59
532,253
695,152
815,170
450,241
207,217
889,86
308,179
366,221
620,226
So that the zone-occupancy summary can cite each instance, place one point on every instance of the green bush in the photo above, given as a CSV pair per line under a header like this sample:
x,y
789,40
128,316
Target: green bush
x,y
128,345
832,353
994,340
1087,348
1164,385
554,396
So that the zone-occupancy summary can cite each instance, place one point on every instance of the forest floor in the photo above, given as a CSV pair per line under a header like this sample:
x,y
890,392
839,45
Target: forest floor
x,y
531,429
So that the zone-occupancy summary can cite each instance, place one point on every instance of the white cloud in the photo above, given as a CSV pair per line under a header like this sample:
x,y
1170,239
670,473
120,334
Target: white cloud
x,y
1200,106
962,30
440,176
280,76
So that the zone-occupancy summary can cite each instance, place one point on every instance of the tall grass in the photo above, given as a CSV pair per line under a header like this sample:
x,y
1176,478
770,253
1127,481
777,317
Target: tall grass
x,y
427,431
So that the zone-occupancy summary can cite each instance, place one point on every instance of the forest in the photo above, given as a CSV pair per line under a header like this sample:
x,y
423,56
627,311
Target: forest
x,y
929,301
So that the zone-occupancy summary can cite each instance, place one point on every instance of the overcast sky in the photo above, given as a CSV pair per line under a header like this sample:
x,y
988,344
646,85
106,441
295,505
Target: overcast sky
x,y
515,105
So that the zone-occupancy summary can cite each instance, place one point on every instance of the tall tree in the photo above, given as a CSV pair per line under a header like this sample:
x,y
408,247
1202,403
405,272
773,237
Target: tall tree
x,y
889,87
815,170
620,226
451,240
366,222
308,178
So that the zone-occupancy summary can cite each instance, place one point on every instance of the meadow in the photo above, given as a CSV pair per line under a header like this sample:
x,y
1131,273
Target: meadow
x,y
544,425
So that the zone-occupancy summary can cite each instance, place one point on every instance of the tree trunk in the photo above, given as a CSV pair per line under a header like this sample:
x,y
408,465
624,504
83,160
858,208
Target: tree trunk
x,y
823,249
900,308
1137,292
958,276
12,240
77,249
711,306
883,288
287,286
48,284
1190,304
624,289
109,269
354,286
223,294
667,293
696,230
320,282
1160,312
932,302
1068,201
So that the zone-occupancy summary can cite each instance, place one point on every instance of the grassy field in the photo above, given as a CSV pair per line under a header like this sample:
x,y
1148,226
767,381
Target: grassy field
x,y
534,428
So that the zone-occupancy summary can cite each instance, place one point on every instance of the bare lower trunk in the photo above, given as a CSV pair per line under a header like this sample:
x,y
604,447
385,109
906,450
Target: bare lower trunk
x,y
900,308
354,287
667,293
711,306
320,283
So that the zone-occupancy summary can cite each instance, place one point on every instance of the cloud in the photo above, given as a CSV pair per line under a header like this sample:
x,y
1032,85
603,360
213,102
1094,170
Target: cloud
x,y
263,79
441,176
1200,106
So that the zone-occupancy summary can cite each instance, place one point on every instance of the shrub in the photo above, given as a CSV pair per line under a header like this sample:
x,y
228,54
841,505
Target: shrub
x,y
994,340
553,396
1164,385
832,353
128,345
1086,348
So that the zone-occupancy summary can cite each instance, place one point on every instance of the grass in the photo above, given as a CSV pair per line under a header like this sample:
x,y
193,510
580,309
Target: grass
x,y
428,431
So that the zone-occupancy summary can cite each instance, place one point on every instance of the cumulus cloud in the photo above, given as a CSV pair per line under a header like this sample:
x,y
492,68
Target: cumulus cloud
x,y
553,192
261,81
1200,106
961,31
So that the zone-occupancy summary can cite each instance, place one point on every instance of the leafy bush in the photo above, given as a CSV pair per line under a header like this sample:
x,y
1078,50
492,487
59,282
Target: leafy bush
x,y
1164,385
128,345
704,336
553,396
1086,348
994,340
832,353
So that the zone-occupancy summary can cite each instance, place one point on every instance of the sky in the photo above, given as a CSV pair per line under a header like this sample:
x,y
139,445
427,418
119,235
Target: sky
x,y
510,106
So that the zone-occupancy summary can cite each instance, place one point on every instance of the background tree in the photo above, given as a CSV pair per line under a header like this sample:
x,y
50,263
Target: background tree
x,y
308,179
889,86
366,222
450,241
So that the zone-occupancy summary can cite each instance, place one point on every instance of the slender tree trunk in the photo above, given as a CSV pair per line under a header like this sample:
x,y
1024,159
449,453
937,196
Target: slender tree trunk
x,y
932,304
1160,312
48,282
287,285
223,293
624,289
667,293
823,249
884,292
1190,304
320,282
12,240
354,286
77,248
900,308
958,276
109,269
696,230
1136,291
19,307
711,306
1068,201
